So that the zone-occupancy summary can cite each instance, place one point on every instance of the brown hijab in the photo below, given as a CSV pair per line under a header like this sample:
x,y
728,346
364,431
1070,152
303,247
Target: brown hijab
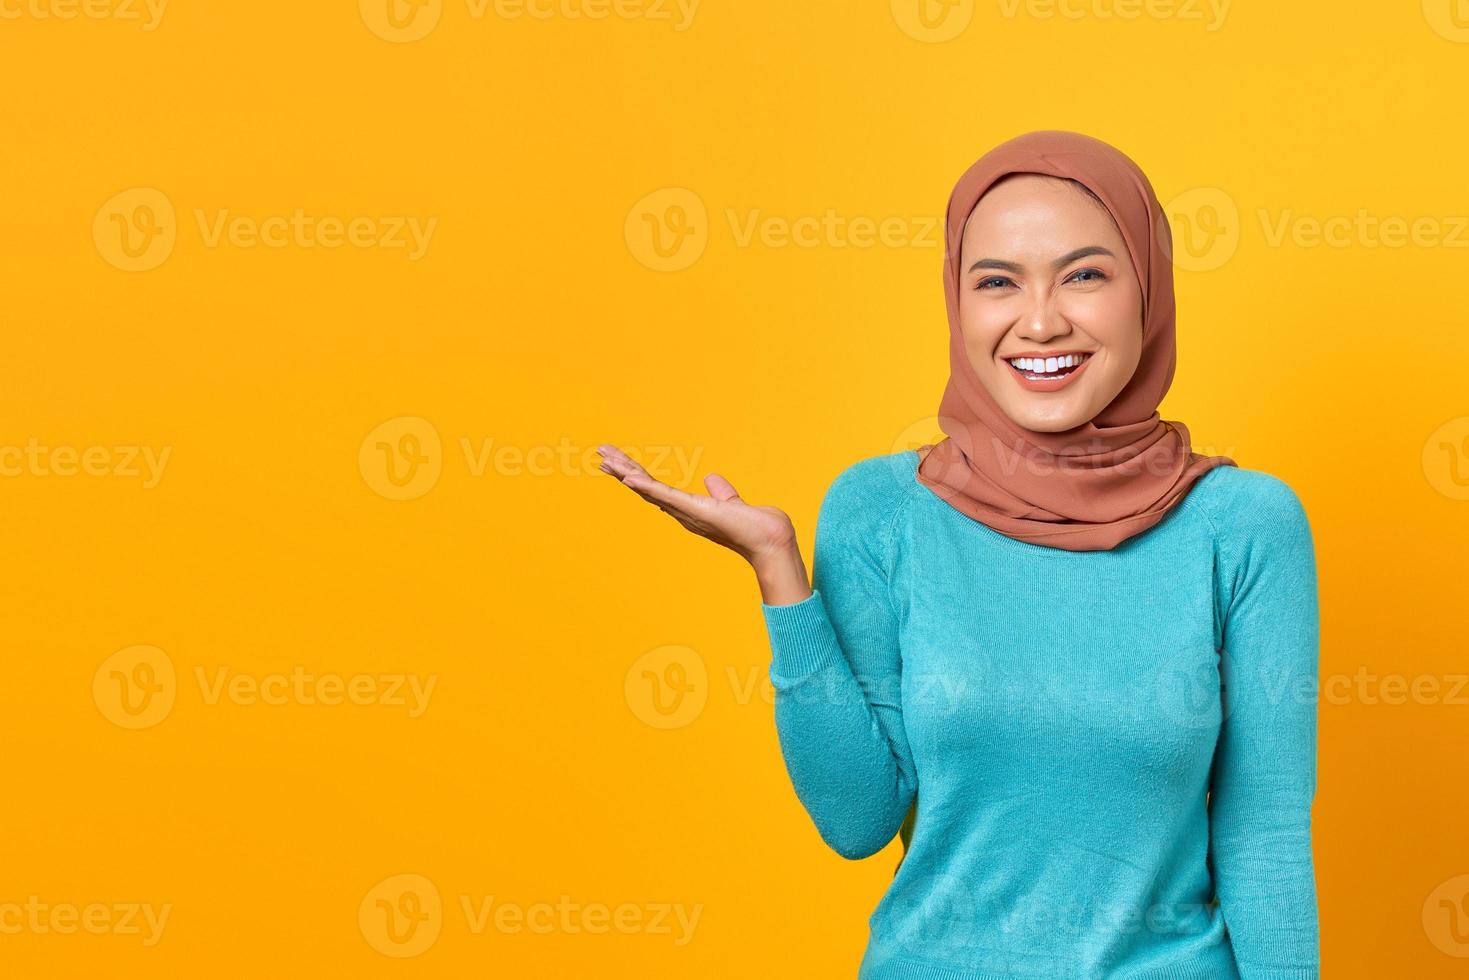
x,y
1091,487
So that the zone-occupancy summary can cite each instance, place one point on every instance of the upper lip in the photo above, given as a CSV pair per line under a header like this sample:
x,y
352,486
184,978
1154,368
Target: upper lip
x,y
1043,353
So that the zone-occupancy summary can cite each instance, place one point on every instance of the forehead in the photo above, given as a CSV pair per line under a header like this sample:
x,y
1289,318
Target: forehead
x,y
1028,204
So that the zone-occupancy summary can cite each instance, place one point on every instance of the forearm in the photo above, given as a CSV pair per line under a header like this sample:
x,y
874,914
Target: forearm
x,y
1267,889
841,761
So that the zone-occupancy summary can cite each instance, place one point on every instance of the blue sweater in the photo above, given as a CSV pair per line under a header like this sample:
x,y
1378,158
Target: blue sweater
x,y
1102,763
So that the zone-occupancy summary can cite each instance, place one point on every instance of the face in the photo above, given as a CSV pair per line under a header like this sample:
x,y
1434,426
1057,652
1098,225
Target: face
x,y
1049,304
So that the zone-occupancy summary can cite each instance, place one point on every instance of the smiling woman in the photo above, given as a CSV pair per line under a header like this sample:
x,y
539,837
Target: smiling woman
x,y
1058,248
1048,310
1015,646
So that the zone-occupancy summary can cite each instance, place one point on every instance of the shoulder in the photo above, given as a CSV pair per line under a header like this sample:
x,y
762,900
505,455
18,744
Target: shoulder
x,y
1256,517
1237,500
877,483
864,498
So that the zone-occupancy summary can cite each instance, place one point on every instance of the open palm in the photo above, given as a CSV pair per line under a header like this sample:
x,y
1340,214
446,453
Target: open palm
x,y
722,517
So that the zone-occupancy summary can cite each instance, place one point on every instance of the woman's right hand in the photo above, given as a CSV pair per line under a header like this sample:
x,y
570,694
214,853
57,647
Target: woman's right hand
x,y
762,535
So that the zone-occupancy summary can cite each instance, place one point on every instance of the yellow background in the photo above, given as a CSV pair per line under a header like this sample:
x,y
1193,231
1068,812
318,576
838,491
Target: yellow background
x,y
543,597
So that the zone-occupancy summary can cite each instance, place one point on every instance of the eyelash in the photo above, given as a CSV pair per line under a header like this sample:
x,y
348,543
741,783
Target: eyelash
x,y
979,286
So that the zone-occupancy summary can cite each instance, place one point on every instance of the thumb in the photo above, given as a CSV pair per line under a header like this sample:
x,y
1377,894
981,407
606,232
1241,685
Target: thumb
x,y
720,488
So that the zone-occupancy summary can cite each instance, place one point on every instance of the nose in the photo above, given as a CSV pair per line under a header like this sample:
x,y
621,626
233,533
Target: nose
x,y
1042,323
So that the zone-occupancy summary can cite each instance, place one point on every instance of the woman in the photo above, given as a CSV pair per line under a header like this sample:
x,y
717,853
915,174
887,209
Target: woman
x,y
1070,660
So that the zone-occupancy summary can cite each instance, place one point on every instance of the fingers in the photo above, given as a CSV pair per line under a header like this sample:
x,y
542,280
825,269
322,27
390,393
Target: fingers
x,y
616,463
687,503
636,479
619,463
720,488
671,500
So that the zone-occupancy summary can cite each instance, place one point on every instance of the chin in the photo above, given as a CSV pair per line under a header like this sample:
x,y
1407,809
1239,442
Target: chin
x,y
1048,418
1053,425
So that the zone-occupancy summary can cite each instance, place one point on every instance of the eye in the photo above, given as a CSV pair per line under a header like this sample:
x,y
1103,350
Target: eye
x,y
985,283
1100,276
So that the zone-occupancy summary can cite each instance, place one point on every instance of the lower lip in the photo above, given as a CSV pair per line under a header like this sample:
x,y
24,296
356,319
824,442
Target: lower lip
x,y
1048,384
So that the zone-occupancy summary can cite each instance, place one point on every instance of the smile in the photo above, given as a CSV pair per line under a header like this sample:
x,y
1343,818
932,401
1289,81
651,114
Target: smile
x,y
1048,371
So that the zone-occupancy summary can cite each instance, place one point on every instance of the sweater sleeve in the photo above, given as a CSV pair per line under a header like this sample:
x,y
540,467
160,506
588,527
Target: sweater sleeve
x,y
1263,780
837,673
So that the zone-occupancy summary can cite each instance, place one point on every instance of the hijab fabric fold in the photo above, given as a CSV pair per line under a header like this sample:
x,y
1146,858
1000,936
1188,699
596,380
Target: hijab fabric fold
x,y
1094,486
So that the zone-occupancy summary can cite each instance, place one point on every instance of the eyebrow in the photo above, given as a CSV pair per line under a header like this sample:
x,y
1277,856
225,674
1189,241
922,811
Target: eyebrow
x,y
1056,266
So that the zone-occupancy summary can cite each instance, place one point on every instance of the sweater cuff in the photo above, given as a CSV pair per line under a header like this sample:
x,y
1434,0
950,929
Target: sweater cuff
x,y
802,640
1248,972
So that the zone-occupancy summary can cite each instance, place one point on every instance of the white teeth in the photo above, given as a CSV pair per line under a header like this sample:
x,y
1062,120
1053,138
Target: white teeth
x,y
1048,365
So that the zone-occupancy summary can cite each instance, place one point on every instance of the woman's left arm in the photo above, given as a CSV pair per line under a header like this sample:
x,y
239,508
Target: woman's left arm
x,y
1264,776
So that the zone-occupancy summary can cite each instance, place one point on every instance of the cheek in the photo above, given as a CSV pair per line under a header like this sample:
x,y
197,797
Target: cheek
x,y
983,326
1112,318
980,347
